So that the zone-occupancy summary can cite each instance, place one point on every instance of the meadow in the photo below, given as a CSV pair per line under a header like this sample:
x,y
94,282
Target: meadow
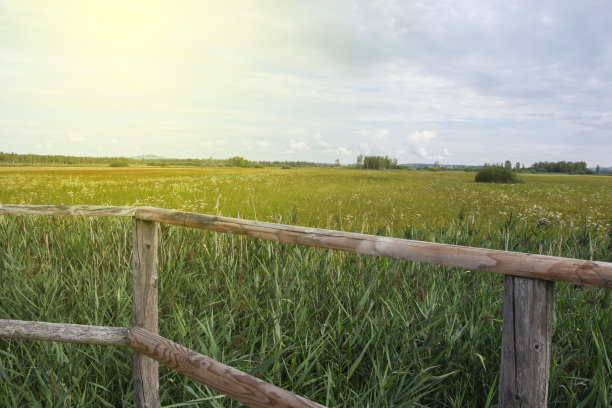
x,y
355,200
342,329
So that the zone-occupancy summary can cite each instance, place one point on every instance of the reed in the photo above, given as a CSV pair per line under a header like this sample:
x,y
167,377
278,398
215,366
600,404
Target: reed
x,y
341,329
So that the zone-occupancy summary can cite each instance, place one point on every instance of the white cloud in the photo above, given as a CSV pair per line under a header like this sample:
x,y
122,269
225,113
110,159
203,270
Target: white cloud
x,y
295,145
345,151
376,134
381,134
262,143
417,141
420,151
422,136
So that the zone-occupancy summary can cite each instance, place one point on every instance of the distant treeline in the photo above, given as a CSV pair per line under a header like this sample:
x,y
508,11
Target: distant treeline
x,y
385,162
362,162
568,167
562,167
376,162
15,159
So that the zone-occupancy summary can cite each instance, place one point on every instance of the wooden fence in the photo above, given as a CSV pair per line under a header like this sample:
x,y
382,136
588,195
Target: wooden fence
x,y
527,315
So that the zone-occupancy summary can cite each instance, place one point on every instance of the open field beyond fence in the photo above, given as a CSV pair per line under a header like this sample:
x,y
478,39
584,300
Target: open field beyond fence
x,y
342,329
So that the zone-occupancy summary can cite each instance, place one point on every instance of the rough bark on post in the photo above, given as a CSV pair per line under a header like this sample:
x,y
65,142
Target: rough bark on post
x,y
144,277
526,342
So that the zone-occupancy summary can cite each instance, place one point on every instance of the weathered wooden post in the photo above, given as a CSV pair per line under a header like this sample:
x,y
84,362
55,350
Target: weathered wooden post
x,y
526,342
144,277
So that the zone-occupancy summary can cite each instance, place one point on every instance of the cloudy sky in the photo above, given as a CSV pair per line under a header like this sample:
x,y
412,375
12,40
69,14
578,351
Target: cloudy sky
x,y
454,81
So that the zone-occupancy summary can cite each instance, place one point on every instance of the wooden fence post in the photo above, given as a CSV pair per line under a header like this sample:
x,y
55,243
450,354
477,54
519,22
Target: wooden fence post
x,y
526,342
144,277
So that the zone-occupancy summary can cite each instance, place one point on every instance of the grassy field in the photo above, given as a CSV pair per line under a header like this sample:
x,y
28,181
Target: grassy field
x,y
341,329
353,200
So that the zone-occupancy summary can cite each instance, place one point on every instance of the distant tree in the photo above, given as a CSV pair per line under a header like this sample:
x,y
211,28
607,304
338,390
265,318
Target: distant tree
x,y
508,164
496,174
517,166
238,161
337,162
437,164
360,161
598,169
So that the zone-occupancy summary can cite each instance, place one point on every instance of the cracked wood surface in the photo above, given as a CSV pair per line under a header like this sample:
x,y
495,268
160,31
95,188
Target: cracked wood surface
x,y
144,279
526,343
239,386
551,268
234,383
84,210
63,332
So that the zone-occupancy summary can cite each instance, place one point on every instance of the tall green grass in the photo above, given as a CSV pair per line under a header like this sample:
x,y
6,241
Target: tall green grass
x,y
342,329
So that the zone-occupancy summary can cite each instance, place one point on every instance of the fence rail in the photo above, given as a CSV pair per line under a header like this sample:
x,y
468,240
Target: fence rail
x,y
550,268
236,384
527,320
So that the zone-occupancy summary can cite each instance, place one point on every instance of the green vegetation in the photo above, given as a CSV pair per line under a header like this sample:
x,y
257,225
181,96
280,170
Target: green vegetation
x,y
354,200
362,162
342,329
376,162
496,174
562,167
118,163
15,159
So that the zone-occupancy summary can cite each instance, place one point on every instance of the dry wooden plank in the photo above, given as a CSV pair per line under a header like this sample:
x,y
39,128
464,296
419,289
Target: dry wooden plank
x,y
91,210
526,343
67,333
144,274
234,383
582,272
552,268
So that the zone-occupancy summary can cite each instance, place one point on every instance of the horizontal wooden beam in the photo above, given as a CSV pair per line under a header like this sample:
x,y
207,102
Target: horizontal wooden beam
x,y
234,383
239,386
67,333
91,210
544,267
551,268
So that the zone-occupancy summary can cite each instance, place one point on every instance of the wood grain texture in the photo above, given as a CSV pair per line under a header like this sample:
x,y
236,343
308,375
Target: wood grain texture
x,y
236,384
144,278
67,333
550,268
526,343
91,210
